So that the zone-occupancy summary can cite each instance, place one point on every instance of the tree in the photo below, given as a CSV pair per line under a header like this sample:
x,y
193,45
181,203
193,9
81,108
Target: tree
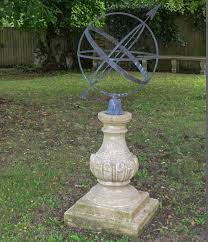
x,y
63,17
57,17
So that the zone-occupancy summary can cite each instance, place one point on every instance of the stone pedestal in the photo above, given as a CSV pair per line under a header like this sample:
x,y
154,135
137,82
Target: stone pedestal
x,y
113,204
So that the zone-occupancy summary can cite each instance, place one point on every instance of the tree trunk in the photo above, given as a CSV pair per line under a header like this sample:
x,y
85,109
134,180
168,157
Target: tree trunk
x,y
59,50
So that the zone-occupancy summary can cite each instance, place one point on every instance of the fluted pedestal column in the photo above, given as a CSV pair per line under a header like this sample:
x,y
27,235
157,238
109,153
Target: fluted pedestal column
x,y
113,204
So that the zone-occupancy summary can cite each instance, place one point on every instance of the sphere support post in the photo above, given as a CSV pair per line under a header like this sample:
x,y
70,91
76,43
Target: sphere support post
x,y
113,204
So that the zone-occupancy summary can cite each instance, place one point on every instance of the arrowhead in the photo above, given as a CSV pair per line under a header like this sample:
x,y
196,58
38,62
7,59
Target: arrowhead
x,y
153,11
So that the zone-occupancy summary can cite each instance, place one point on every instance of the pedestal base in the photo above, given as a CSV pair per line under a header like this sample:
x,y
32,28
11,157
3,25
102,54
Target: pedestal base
x,y
122,210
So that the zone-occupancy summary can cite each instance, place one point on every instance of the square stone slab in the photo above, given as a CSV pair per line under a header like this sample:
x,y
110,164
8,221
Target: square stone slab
x,y
129,219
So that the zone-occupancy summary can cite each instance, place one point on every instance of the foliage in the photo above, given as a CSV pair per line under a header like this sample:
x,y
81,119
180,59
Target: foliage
x,y
28,14
172,5
193,10
37,14
77,13
84,11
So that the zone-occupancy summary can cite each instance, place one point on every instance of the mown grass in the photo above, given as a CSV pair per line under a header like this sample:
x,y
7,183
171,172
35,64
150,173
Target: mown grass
x,y
48,134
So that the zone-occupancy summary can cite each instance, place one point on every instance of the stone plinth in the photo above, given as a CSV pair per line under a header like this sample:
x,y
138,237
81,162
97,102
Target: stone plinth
x,y
113,204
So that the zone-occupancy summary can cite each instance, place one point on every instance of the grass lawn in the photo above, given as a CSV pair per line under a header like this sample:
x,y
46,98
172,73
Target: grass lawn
x,y
47,134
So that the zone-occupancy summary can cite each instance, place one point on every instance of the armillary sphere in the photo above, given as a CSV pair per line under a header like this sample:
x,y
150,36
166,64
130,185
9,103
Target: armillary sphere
x,y
122,51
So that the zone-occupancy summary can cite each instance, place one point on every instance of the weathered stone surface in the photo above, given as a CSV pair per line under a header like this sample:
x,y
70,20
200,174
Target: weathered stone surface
x,y
130,218
113,204
114,164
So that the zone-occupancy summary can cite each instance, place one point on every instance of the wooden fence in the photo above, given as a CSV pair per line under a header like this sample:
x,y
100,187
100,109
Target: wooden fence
x,y
16,47
195,45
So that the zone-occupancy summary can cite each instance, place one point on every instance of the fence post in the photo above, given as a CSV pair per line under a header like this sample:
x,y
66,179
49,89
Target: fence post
x,y
202,66
144,64
174,65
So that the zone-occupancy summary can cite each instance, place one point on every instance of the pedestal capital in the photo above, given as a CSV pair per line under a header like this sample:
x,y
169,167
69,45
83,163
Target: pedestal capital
x,y
114,119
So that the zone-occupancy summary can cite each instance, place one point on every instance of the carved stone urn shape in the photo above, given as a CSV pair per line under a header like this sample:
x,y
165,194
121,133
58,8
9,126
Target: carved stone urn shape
x,y
114,164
